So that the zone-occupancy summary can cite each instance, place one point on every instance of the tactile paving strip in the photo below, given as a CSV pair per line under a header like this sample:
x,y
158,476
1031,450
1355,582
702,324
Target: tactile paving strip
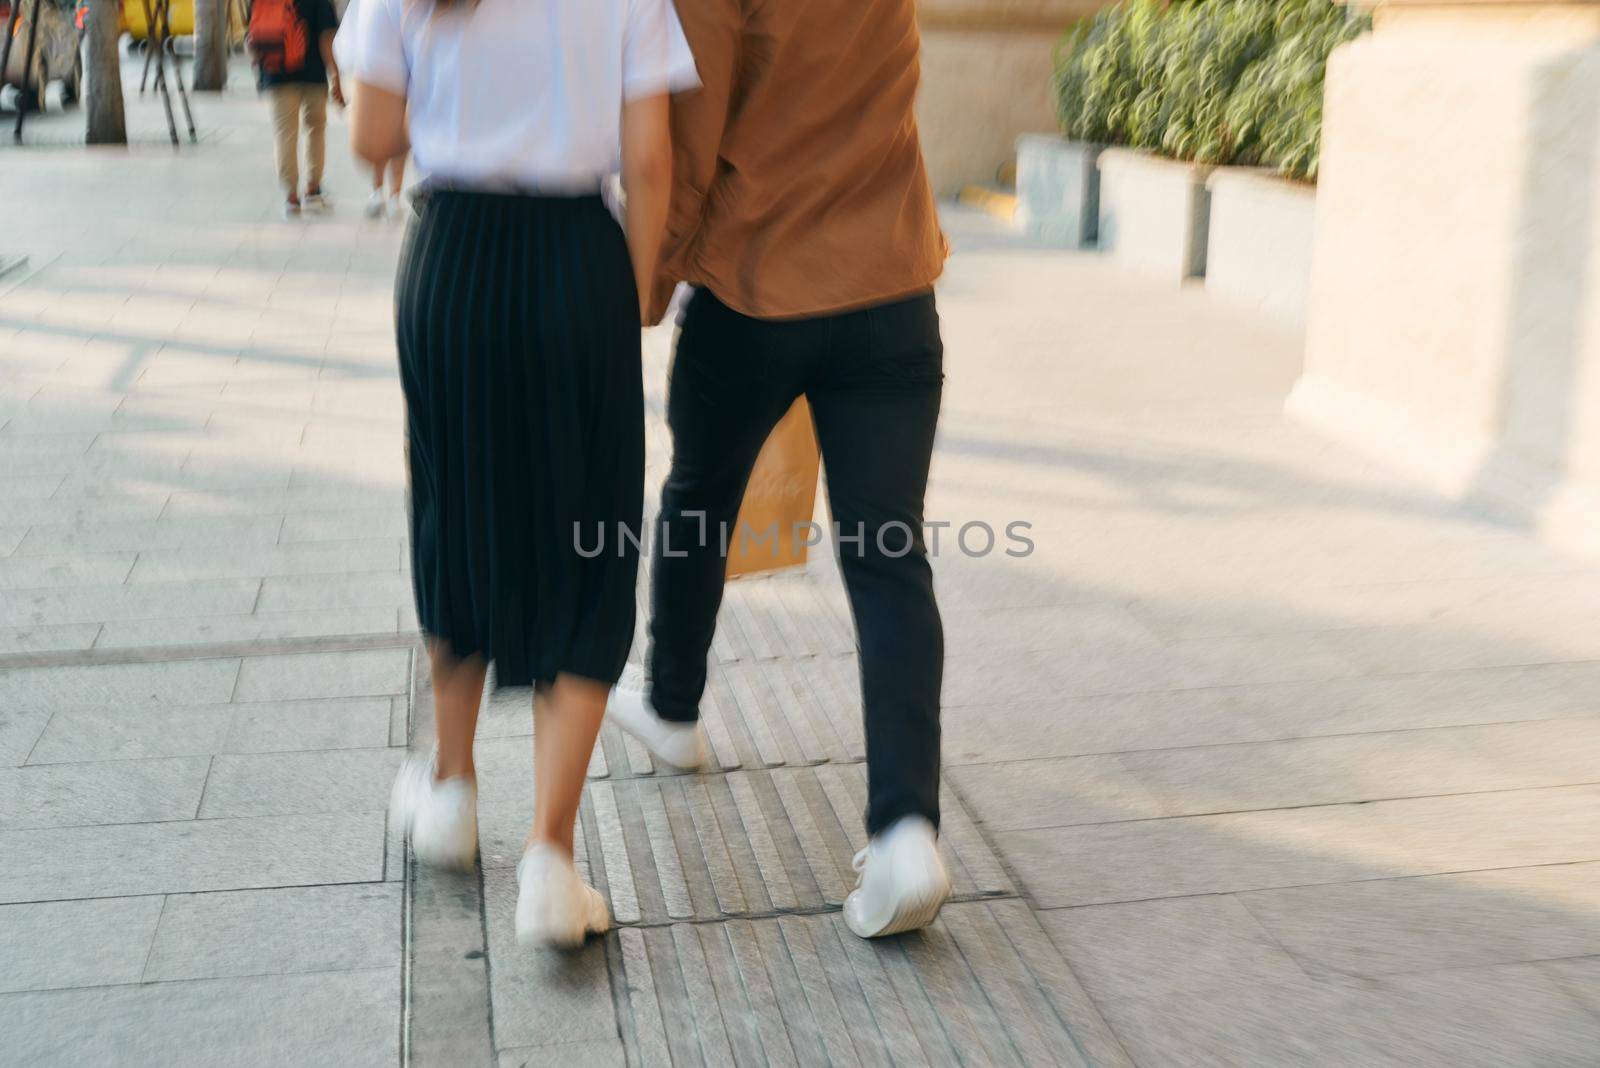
x,y
982,986
749,843
793,613
771,713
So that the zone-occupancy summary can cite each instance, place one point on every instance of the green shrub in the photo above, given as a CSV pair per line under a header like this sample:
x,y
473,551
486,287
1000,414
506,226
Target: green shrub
x,y
1218,81
1275,112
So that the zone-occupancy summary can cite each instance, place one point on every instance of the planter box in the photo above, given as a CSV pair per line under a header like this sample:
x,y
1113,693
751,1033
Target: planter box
x,y
1058,189
1258,254
1153,213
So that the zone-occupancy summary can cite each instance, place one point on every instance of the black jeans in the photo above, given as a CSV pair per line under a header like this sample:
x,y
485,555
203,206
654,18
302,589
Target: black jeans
x,y
873,378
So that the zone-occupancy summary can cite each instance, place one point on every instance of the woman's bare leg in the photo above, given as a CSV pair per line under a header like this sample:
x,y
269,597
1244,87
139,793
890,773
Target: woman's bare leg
x,y
397,175
457,692
566,720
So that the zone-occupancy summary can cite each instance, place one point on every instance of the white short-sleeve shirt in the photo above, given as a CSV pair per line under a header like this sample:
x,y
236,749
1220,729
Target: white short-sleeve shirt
x,y
517,94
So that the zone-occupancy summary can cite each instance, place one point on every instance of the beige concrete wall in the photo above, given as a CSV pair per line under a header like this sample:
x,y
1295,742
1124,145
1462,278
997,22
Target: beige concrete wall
x,y
986,73
1454,317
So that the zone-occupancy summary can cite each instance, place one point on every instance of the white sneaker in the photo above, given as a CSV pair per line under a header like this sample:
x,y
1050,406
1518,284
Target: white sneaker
x,y
440,818
397,207
554,906
316,201
902,883
683,745
376,205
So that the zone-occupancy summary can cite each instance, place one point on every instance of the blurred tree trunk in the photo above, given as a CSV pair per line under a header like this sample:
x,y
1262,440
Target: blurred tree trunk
x,y
210,45
108,125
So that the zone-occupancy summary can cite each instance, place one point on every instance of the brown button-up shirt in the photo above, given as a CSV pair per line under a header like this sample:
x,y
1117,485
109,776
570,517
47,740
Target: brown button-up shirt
x,y
798,182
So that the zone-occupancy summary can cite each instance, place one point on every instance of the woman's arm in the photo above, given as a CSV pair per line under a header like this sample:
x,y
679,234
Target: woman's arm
x,y
647,180
377,124
331,65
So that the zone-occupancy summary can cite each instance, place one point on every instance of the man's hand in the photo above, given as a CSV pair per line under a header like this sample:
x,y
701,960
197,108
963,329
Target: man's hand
x,y
335,90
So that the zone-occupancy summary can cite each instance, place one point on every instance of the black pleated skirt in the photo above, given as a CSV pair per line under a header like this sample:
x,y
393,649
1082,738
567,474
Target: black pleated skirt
x,y
517,324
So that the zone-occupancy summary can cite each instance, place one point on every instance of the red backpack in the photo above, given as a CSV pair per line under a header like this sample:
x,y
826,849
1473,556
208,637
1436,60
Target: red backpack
x,y
278,38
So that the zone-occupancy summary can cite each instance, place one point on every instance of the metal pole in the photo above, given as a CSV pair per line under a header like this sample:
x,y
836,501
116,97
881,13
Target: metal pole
x,y
27,68
149,37
161,82
177,66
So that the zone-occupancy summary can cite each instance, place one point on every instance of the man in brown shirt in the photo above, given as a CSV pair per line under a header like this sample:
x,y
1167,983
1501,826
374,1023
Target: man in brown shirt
x,y
799,183
802,217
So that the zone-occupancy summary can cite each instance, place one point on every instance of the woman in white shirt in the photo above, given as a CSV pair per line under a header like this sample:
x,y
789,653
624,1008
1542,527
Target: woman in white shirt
x,y
517,324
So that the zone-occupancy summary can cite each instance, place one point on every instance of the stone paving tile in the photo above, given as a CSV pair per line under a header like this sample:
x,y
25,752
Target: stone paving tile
x,y
25,445
349,525
1044,628
982,986
92,734
1499,830
1081,672
112,604
599,1053
361,723
113,734
45,572
1115,862
750,843
149,534
344,1018
1394,650
1485,1017
503,829
1313,771
1071,726
1057,792
19,733
1439,921
58,511
275,784
1579,977
1168,947
284,501
1554,752
505,770
177,682
1309,1023
1261,658
319,558
275,932
1435,699
112,791
48,639
54,944
191,856
542,998
316,592
27,487
262,626
10,538
324,675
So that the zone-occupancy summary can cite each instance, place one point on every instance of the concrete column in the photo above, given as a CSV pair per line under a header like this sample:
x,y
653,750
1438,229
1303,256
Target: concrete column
x,y
1454,317
986,77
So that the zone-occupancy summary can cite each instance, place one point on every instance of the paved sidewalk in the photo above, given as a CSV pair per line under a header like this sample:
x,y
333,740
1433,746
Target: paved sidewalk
x,y
1263,756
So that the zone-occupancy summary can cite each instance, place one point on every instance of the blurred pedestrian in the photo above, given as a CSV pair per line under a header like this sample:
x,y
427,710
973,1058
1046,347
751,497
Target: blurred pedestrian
x,y
386,202
382,201
291,44
517,319
802,215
